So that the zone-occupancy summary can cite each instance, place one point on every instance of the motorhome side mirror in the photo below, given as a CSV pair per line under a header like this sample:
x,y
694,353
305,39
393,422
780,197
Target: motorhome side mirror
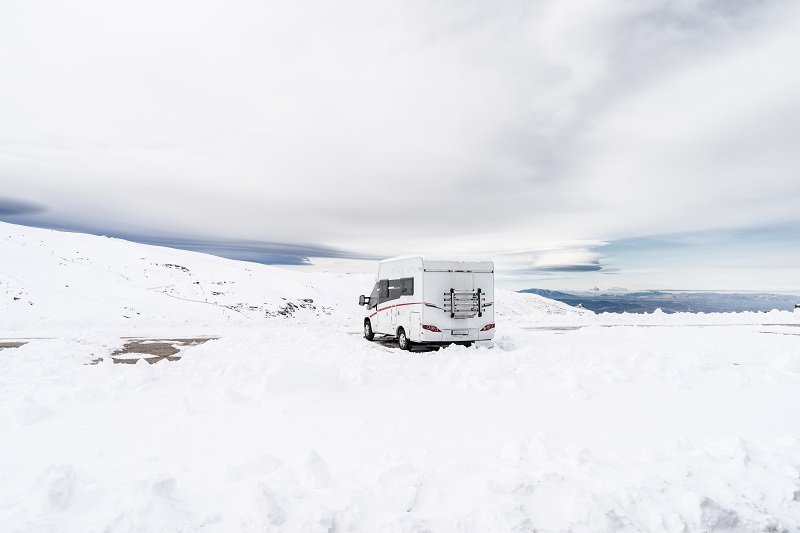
x,y
363,300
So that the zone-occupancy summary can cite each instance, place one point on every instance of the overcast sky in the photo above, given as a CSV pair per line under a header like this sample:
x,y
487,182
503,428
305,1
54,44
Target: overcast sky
x,y
642,144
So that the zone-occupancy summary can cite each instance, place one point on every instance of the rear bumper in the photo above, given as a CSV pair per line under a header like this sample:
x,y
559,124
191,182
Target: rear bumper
x,y
448,337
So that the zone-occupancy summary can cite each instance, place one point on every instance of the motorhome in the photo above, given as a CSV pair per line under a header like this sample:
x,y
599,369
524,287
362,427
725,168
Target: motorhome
x,y
430,300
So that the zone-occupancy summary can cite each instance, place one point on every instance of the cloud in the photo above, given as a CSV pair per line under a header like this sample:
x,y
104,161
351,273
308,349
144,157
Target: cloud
x,y
269,253
571,268
569,260
549,264
10,208
387,127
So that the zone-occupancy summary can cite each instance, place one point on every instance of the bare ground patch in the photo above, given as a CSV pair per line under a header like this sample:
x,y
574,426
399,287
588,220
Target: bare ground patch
x,y
152,350
12,344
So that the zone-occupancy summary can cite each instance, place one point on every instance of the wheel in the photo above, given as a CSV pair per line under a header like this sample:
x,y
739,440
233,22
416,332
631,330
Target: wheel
x,y
402,340
368,333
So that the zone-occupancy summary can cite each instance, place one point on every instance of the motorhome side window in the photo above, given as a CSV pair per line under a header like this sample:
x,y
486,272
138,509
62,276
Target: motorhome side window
x,y
392,289
383,290
407,286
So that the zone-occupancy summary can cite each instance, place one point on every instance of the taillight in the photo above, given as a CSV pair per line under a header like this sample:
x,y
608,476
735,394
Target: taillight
x,y
487,327
431,328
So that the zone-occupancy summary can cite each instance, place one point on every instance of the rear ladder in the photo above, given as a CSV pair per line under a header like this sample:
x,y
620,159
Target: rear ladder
x,y
463,304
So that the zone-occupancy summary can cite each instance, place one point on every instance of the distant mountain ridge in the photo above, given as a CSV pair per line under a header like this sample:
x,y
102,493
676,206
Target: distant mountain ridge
x,y
672,302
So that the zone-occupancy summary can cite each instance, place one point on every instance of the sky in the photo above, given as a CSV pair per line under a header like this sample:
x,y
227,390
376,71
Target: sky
x,y
648,144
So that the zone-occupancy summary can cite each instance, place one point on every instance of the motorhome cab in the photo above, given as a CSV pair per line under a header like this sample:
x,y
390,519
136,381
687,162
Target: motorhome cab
x,y
421,300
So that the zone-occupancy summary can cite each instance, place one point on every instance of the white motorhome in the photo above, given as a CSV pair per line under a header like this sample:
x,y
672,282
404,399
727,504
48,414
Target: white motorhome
x,y
427,300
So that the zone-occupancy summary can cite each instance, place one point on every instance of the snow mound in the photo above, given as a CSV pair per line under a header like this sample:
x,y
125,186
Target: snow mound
x,y
532,308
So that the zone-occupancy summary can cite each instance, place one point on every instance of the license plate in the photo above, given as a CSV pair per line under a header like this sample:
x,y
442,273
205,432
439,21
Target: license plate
x,y
460,332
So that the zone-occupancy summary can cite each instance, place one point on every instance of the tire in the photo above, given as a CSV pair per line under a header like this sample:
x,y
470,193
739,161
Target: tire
x,y
368,333
402,340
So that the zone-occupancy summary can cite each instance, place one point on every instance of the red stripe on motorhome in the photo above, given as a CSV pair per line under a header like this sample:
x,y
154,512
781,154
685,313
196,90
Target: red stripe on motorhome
x,y
398,305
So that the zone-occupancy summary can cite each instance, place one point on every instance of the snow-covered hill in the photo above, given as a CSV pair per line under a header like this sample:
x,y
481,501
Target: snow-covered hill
x,y
56,279
288,420
52,278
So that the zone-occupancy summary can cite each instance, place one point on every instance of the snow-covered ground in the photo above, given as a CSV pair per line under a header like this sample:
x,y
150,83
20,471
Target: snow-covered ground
x,y
290,421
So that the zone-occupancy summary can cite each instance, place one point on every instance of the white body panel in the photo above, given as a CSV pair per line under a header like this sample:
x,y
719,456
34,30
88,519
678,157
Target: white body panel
x,y
455,296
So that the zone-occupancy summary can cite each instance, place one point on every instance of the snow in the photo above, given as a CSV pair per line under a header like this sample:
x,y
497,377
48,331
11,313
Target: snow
x,y
288,420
